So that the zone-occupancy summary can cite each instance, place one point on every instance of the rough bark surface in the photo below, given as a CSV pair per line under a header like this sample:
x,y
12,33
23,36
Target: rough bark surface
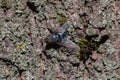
x,y
93,25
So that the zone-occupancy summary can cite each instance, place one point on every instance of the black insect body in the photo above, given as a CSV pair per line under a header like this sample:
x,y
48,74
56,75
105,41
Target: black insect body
x,y
57,37
60,37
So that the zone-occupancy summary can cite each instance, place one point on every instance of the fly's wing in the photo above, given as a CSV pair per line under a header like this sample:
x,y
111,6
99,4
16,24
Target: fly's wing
x,y
62,28
71,46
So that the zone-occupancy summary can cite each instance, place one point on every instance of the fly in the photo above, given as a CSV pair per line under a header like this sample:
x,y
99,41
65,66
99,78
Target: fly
x,y
60,37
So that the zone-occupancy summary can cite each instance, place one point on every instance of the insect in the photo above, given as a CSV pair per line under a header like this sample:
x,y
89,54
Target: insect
x,y
60,37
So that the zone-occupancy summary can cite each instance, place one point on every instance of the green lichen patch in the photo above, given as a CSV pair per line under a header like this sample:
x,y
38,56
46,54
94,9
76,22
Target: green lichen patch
x,y
62,20
5,4
86,48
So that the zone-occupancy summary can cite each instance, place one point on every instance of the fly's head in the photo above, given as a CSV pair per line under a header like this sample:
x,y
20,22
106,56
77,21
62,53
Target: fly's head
x,y
52,38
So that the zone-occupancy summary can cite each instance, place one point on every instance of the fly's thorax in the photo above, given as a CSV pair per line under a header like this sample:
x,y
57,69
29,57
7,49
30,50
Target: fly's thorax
x,y
62,35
